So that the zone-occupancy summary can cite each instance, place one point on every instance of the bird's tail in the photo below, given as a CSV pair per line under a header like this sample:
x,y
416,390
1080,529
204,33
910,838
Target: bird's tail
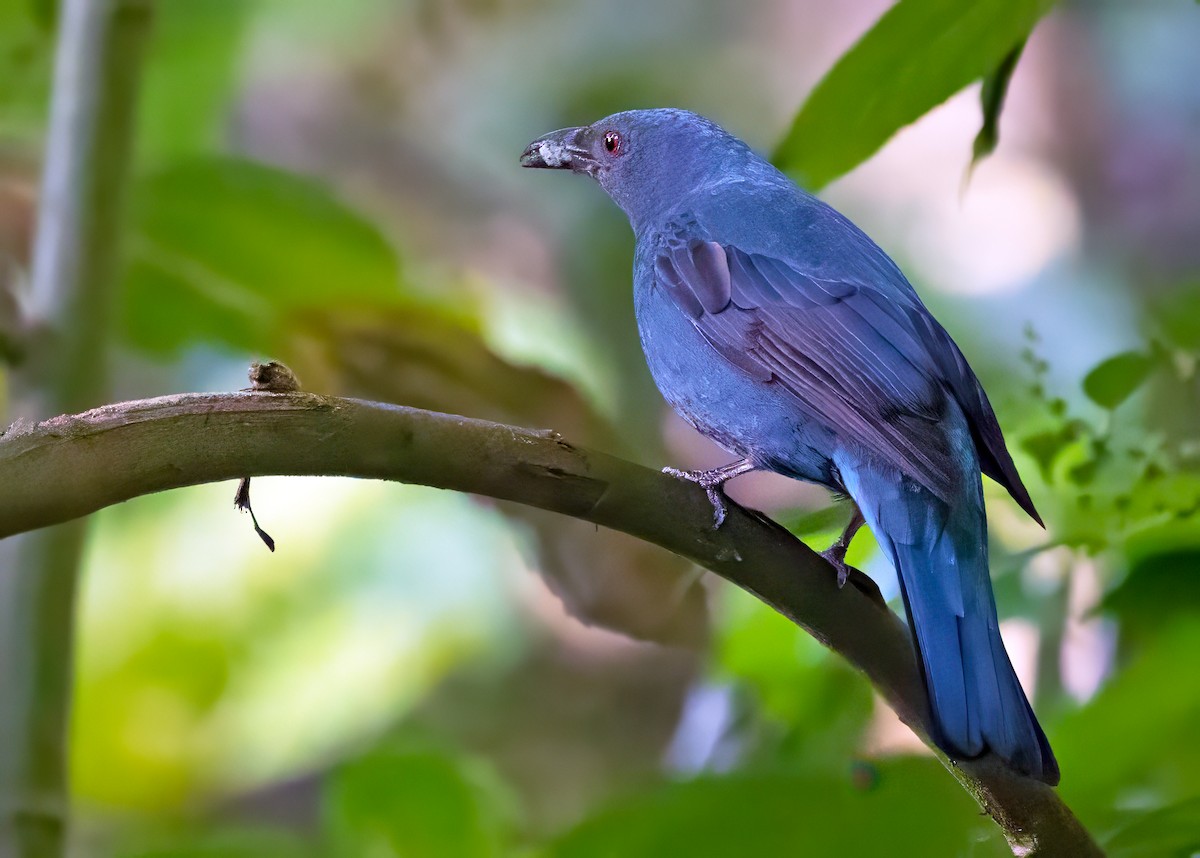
x,y
940,554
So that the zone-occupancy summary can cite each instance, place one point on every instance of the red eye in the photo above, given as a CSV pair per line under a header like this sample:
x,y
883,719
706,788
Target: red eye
x,y
612,142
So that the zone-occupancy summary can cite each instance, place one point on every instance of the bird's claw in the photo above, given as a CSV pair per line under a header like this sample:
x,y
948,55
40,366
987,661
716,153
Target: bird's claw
x,y
711,483
835,556
718,504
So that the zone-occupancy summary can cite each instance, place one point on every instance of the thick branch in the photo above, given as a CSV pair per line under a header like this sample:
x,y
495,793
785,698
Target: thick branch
x,y
75,465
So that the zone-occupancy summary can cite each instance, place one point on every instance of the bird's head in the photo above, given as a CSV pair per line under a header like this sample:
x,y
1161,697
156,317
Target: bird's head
x,y
646,160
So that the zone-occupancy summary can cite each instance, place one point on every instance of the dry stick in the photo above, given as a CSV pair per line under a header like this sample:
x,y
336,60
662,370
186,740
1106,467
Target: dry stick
x,y
75,465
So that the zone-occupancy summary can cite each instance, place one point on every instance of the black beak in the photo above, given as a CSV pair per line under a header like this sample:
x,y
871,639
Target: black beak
x,y
559,150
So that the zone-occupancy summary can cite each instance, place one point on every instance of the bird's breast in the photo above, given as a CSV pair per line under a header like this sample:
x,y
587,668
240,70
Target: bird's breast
x,y
748,417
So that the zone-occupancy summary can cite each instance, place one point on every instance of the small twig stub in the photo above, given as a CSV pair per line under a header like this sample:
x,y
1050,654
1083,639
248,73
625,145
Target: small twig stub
x,y
241,500
269,377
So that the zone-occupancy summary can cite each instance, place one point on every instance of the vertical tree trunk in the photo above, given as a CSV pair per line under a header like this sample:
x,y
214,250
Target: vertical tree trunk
x,y
75,269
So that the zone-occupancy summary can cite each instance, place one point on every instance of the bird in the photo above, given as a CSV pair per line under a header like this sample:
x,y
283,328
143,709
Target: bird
x,y
781,331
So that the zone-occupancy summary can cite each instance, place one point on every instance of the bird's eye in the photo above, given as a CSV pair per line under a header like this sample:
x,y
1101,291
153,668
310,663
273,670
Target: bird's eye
x,y
612,142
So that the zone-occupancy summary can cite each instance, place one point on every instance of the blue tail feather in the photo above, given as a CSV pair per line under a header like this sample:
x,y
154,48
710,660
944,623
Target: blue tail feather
x,y
940,554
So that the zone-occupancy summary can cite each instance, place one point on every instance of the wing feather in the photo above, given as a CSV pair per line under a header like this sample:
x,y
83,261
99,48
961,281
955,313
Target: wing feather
x,y
852,358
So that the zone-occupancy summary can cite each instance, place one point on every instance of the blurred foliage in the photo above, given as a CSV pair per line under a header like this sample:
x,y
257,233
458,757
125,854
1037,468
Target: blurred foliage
x,y
1113,478
1114,380
1158,589
198,271
1174,830
26,41
815,708
909,805
1144,720
334,185
224,842
417,803
191,75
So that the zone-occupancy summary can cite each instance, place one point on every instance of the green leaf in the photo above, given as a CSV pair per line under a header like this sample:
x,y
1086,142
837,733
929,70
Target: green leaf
x,y
1136,737
829,519
1159,588
1172,832
224,842
1114,380
26,48
1097,455
991,99
915,57
414,804
1178,313
901,807
792,679
1045,447
227,251
191,71
45,12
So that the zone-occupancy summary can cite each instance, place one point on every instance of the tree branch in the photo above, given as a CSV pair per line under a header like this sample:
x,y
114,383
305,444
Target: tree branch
x,y
74,465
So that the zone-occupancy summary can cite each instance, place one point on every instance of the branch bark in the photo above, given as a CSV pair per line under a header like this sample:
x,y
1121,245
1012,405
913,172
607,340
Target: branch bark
x,y
74,465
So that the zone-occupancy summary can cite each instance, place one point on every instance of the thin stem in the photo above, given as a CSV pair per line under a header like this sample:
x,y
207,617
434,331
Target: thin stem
x,y
76,256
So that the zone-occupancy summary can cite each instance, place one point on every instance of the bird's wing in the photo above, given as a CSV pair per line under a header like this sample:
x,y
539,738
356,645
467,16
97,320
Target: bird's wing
x,y
850,355
951,366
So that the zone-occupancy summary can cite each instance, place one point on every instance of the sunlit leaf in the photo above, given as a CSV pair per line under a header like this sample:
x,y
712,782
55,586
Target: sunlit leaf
x,y
899,807
1114,380
915,57
171,683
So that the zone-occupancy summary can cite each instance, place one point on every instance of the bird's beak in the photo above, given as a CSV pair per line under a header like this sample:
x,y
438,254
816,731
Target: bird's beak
x,y
559,150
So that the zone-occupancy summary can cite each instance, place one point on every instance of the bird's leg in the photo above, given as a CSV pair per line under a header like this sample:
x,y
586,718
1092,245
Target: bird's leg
x,y
836,553
713,481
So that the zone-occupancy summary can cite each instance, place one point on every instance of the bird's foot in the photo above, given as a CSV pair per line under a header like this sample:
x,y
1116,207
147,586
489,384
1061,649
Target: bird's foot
x,y
713,481
835,556
712,488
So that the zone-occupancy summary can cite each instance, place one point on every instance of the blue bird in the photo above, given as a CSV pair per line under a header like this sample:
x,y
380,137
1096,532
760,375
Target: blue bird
x,y
777,328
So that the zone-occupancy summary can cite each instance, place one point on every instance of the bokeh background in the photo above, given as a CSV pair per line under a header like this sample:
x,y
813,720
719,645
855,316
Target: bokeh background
x,y
418,673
